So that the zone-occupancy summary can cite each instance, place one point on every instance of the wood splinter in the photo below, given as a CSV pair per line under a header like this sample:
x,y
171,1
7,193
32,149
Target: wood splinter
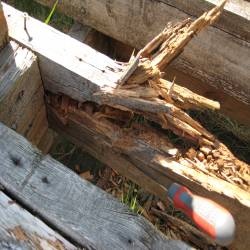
x,y
145,71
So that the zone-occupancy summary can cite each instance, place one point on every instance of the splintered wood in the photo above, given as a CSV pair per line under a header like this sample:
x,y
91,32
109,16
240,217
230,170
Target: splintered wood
x,y
141,91
143,79
134,135
210,155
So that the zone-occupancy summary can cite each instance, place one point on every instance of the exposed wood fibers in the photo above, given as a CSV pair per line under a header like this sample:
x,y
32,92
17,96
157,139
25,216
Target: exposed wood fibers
x,y
208,155
124,133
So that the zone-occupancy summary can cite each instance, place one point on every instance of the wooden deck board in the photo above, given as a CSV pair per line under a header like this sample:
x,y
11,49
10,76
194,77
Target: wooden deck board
x,y
21,229
83,212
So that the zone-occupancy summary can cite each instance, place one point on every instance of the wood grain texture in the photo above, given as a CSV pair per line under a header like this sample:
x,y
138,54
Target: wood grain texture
x,y
234,20
21,93
153,170
83,212
87,70
3,28
20,228
218,57
78,71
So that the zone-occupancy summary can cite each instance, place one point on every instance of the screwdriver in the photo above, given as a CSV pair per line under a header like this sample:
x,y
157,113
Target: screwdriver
x,y
210,217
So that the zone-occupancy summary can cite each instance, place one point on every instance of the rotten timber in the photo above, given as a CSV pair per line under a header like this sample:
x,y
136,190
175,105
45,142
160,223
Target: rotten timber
x,y
81,211
87,75
144,155
22,96
3,28
21,230
219,57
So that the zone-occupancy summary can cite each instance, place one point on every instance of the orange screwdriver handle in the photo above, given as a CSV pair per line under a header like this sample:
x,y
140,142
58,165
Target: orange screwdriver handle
x,y
210,217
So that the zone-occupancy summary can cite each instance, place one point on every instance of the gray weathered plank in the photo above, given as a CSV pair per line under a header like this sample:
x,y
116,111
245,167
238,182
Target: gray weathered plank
x,y
78,71
20,228
235,19
83,212
218,57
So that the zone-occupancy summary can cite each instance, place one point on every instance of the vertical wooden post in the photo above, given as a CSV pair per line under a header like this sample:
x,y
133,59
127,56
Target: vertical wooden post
x,y
3,28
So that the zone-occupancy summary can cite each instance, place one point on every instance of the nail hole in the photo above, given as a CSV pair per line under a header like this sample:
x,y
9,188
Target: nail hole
x,y
15,160
45,180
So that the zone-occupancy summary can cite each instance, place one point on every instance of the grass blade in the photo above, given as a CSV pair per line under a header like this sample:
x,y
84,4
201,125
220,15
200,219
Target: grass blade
x,y
51,12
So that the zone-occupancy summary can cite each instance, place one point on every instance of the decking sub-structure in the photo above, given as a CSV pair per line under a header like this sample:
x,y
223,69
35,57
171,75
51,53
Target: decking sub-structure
x,y
225,44
76,91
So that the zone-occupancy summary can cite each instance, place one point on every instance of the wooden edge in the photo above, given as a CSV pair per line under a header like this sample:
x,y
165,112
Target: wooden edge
x,y
235,19
21,230
22,95
77,209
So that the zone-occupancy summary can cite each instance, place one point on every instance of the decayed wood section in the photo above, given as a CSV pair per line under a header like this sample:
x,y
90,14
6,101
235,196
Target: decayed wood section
x,y
147,156
21,95
3,28
85,214
85,75
21,230
219,57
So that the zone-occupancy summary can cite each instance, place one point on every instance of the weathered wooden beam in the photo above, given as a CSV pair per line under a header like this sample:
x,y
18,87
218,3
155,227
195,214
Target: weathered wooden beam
x,y
219,57
81,211
77,70
3,28
234,20
21,93
146,158
21,230
100,42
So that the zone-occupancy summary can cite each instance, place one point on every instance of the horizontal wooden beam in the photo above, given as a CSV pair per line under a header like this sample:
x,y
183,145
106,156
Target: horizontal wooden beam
x,y
78,71
79,210
219,57
21,230
148,165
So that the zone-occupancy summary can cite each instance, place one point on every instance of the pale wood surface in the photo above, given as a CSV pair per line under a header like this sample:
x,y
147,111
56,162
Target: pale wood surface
x,y
3,28
21,94
81,211
152,169
219,56
21,229
78,71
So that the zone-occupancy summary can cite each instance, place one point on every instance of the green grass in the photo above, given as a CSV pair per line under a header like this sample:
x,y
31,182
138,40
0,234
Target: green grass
x,y
52,12
55,19
130,198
